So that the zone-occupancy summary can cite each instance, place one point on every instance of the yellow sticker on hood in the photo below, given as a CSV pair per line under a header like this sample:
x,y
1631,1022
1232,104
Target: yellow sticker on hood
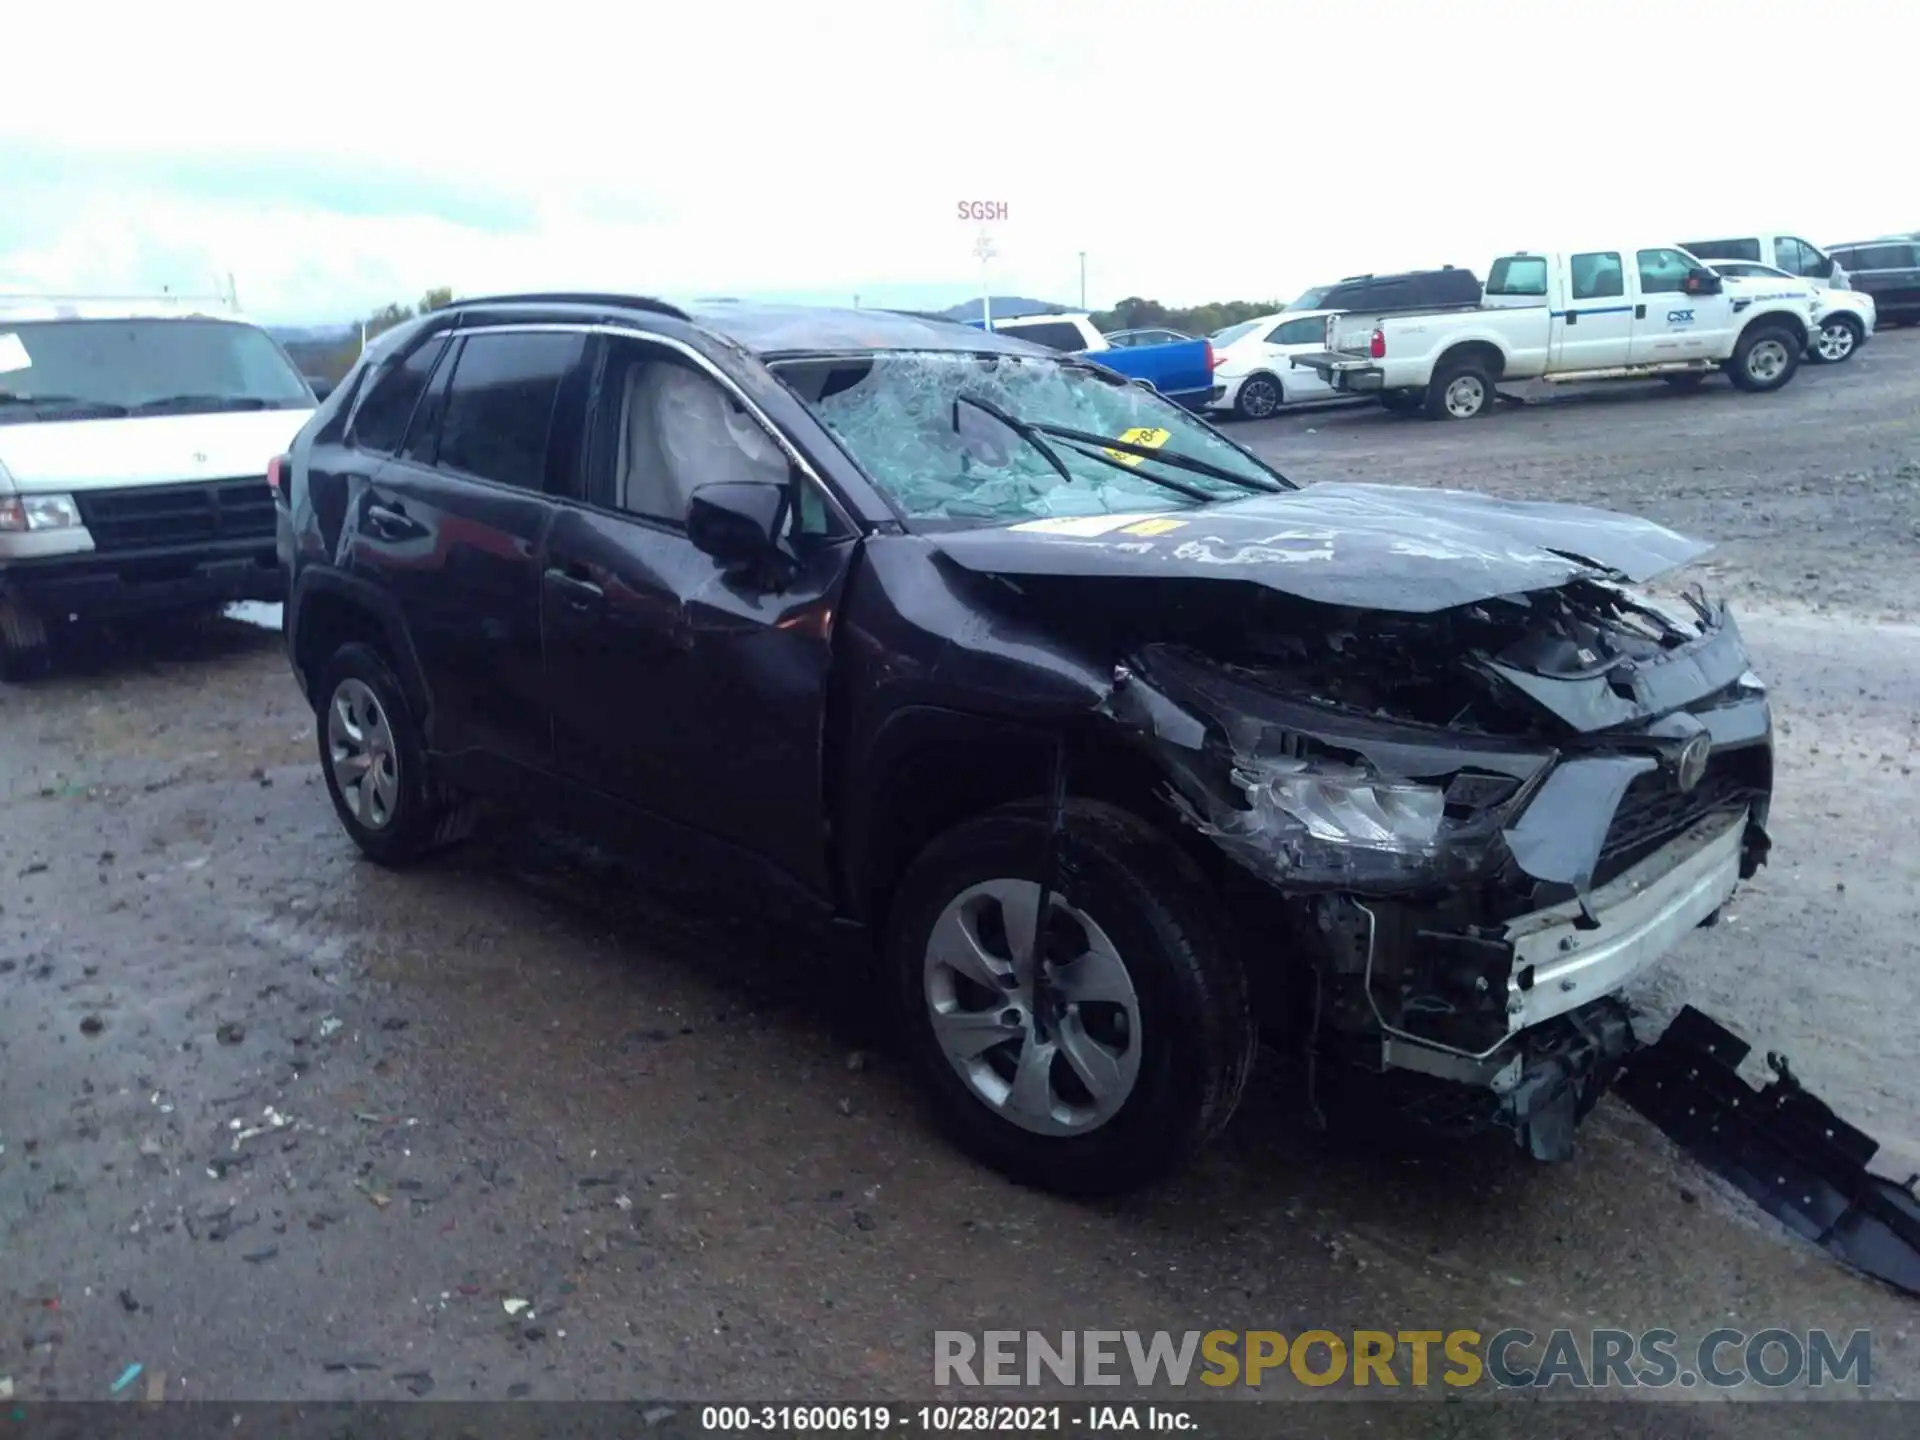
x,y
1143,435
1153,527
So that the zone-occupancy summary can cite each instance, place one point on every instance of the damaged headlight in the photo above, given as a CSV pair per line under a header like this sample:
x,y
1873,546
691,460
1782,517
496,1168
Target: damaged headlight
x,y
1346,805
1329,821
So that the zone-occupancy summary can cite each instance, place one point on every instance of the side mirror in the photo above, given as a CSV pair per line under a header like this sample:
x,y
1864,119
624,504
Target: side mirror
x,y
321,388
738,522
1702,282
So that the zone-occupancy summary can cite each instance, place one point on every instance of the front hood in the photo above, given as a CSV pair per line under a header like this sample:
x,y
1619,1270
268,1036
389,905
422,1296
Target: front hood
x,y
72,455
1372,547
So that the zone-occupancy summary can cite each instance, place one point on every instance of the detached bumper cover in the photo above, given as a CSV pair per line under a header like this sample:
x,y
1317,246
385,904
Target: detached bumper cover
x,y
1782,1147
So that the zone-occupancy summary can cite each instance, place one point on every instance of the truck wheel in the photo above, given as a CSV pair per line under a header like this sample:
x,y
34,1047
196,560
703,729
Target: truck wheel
x,y
1763,359
1258,397
1839,337
1461,391
374,759
1128,1050
24,651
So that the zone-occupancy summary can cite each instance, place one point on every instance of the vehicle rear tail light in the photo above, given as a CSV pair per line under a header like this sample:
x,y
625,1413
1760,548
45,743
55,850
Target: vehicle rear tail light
x,y
277,476
1213,358
1377,346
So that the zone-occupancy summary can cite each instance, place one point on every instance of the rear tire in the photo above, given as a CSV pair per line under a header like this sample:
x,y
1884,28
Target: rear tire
x,y
1158,1013
1764,358
1259,398
373,755
1839,337
1462,390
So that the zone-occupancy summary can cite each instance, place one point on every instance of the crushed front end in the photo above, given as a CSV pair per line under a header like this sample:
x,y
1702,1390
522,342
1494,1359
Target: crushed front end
x,y
1477,826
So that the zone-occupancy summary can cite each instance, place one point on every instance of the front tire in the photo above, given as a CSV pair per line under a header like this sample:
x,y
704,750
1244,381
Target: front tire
x,y
1839,337
1463,390
1259,398
1764,358
1126,1052
373,755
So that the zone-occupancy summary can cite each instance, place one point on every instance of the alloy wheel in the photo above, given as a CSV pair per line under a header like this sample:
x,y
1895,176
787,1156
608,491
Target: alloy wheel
x,y
361,752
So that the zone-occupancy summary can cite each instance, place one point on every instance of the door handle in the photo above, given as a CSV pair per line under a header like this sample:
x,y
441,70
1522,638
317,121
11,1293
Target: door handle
x,y
579,592
390,520
1640,312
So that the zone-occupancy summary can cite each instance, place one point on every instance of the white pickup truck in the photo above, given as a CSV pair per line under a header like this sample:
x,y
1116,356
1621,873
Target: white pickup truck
x,y
1655,313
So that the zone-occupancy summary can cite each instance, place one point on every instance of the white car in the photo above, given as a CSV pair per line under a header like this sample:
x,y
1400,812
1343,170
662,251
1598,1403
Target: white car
x,y
1845,318
136,443
1252,363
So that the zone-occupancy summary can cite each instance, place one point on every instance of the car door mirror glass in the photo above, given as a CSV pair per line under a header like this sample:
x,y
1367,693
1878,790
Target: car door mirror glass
x,y
738,522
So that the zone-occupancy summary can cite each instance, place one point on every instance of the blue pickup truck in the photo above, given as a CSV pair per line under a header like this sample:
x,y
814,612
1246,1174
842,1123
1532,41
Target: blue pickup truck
x,y
1181,370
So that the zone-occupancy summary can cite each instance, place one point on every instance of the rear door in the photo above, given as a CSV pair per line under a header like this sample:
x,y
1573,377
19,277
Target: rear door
x,y
452,527
1297,337
1669,324
680,692
1593,327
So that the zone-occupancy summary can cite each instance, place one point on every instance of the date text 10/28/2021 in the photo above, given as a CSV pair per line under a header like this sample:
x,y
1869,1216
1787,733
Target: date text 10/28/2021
x,y
942,1419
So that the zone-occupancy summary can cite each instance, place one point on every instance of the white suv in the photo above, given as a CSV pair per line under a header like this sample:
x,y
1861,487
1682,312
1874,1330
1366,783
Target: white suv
x,y
135,442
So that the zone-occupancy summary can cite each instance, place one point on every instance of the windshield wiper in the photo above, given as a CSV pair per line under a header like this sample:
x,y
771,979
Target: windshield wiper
x,y
204,402
1165,457
1026,432
67,403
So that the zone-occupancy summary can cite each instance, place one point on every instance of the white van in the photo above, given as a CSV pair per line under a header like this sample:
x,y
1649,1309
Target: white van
x,y
135,441
1771,247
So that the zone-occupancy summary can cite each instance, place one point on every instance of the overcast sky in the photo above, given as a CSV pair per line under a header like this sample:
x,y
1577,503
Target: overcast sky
x,y
335,155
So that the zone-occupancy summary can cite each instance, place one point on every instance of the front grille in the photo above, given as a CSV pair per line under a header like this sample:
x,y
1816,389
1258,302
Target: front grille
x,y
151,516
1653,811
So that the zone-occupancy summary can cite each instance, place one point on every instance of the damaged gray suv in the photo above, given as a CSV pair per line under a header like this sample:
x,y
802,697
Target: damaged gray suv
x,y
1122,749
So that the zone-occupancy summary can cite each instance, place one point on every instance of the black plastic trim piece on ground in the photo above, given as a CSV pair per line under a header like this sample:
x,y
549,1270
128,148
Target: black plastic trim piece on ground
x,y
1781,1146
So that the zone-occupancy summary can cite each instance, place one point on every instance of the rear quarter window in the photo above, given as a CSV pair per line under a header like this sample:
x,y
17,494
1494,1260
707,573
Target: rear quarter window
x,y
1747,248
1518,275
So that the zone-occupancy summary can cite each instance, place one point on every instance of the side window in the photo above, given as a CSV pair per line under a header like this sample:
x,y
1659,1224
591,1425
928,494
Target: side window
x,y
1299,332
1747,249
499,405
1662,272
380,424
1847,259
1518,275
1797,257
1597,275
675,428
1885,257
1054,334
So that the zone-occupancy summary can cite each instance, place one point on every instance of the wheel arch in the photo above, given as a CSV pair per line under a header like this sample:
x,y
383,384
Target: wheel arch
x,y
327,609
1483,350
932,769
1776,320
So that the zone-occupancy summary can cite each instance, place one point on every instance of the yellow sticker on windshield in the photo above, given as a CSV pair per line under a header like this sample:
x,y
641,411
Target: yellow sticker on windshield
x,y
1145,436
1153,527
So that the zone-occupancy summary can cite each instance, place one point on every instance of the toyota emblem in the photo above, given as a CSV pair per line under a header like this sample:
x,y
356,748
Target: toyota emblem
x,y
199,457
1691,766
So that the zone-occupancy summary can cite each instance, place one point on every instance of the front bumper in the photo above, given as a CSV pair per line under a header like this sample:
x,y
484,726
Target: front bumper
x,y
1343,372
157,578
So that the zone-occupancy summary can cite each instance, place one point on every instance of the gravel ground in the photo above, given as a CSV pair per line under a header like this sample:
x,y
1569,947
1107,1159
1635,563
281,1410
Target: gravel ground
x,y
280,1125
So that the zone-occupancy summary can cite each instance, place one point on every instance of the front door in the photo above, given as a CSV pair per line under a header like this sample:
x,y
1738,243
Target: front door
x,y
679,691
452,526
1593,327
1668,323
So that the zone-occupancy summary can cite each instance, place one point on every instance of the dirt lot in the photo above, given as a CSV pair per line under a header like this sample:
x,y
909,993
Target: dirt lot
x,y
277,1124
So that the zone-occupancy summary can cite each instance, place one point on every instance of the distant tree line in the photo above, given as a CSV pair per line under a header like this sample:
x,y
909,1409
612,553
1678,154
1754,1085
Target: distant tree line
x,y
1136,313
331,359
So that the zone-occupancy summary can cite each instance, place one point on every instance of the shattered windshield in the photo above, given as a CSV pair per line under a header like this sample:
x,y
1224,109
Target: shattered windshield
x,y
988,438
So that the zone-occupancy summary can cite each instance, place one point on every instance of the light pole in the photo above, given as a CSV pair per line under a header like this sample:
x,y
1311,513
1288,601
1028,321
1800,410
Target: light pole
x,y
983,247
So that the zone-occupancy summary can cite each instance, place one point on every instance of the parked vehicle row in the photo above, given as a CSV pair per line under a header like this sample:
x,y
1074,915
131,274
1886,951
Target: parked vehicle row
x,y
1181,368
1652,312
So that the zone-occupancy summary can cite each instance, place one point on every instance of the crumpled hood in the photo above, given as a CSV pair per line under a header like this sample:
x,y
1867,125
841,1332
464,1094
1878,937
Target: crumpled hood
x,y
1374,547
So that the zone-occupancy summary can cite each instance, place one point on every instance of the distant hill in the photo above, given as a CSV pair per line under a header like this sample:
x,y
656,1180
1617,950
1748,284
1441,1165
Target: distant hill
x,y
1007,307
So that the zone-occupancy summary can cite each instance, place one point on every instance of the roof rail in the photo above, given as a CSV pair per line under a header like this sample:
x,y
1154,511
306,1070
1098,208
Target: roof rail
x,y
574,297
